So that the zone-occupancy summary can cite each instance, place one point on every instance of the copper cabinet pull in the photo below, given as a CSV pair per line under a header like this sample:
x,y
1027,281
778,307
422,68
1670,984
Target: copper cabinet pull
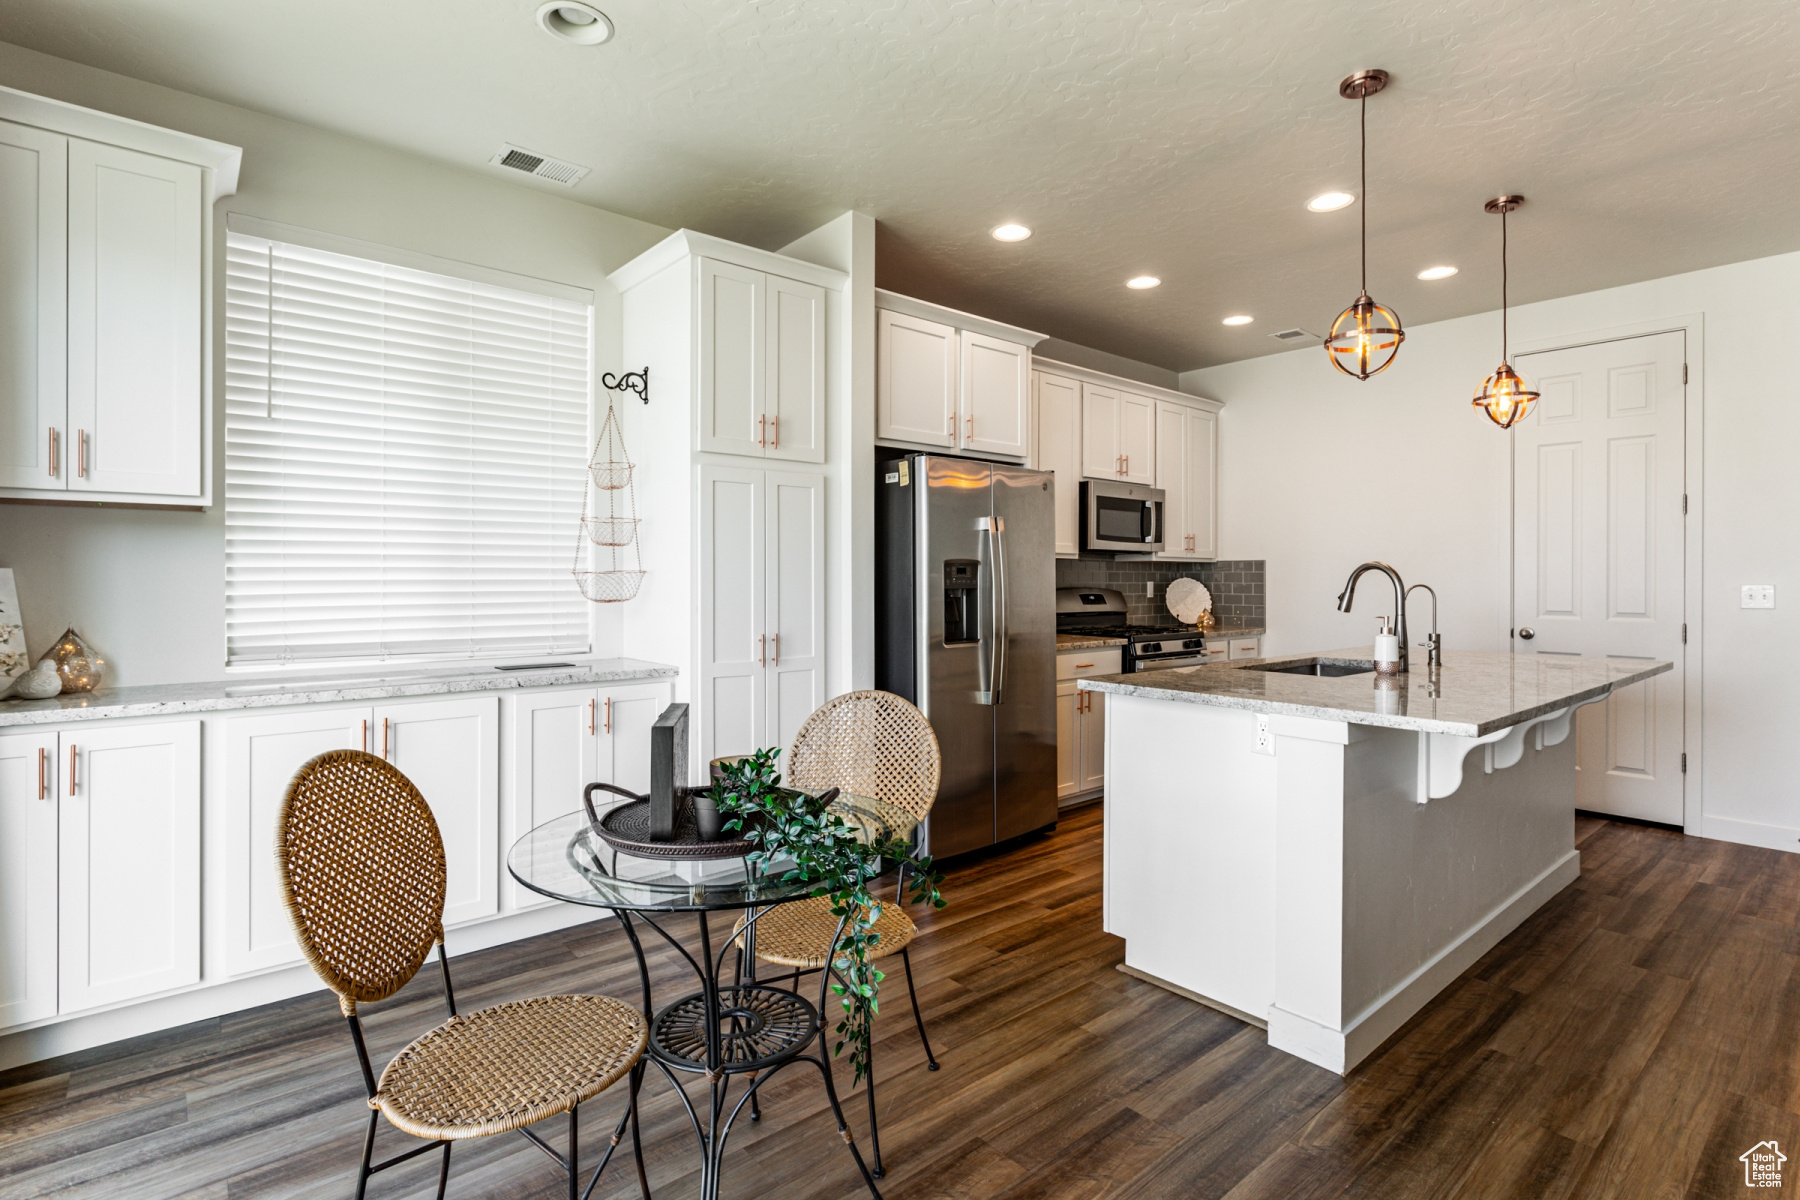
x,y
609,714
53,452
775,646
71,768
592,704
1128,464
971,427
774,433
761,661
81,448
1079,666
364,744
384,737
43,774
759,430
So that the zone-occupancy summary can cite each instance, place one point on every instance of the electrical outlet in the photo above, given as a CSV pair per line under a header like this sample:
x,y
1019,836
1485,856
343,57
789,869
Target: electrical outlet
x,y
1759,595
1265,740
1150,589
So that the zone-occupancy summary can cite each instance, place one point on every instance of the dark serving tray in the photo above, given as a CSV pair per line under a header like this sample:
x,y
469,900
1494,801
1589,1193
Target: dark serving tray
x,y
627,830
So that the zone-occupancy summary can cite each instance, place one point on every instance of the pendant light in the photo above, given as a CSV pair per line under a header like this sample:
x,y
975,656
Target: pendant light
x,y
1366,336
1503,395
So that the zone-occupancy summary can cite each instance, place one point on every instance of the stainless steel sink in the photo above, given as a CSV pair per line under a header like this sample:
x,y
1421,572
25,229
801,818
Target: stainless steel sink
x,y
1314,666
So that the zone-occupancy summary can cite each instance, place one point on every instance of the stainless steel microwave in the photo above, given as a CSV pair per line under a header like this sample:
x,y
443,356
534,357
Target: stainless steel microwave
x,y
1121,517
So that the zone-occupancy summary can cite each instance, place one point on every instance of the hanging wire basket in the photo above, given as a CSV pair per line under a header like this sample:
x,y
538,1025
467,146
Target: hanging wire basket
x,y
610,476
610,531
608,587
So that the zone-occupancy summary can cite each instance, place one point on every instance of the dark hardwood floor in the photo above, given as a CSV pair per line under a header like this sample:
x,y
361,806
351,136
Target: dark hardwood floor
x,y
1631,1040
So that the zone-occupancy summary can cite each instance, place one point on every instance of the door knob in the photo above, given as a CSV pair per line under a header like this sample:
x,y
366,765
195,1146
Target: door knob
x,y
1527,632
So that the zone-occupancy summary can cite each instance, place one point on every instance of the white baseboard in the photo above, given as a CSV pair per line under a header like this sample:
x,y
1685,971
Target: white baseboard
x,y
82,1031
1750,833
1340,1050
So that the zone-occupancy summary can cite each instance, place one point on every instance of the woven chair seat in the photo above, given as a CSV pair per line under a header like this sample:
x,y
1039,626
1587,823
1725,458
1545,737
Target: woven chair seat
x,y
508,1066
799,934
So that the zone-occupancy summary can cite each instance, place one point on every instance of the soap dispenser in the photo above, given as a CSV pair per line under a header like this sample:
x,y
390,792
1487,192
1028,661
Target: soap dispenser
x,y
1387,648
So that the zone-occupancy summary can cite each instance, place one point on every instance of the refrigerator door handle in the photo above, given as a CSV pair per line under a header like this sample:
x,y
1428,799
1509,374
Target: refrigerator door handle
x,y
995,660
1002,624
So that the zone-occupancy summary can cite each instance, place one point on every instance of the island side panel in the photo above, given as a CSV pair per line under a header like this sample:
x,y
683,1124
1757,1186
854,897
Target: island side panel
x,y
1190,848
1429,888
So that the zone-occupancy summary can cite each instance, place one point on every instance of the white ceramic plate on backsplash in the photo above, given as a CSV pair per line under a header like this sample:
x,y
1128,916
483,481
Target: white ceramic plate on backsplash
x,y
1189,600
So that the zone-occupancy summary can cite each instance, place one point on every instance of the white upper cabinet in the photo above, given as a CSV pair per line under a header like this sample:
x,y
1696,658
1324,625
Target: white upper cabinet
x,y
1137,438
950,381
761,363
104,300
915,390
1186,449
1058,406
33,275
994,395
1101,457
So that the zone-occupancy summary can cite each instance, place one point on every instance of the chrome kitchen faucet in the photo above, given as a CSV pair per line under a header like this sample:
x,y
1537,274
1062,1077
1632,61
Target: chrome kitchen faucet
x,y
1348,595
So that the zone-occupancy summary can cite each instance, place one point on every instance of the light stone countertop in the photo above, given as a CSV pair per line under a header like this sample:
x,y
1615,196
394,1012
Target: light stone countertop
x,y
1476,692
1078,641
156,700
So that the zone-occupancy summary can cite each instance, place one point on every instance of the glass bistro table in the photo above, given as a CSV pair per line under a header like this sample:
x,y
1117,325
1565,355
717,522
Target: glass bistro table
x,y
722,1030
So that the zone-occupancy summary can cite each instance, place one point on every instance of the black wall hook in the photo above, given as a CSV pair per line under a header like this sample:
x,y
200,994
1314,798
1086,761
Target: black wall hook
x,y
631,381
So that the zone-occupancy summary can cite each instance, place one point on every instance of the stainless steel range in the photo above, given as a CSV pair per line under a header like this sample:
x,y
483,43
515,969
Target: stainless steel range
x,y
1101,612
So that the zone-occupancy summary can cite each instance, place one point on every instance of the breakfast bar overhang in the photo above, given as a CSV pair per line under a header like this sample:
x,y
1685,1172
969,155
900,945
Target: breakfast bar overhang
x,y
1356,840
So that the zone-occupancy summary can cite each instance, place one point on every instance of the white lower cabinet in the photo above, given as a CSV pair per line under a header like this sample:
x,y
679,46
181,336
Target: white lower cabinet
x,y
262,753
28,804
449,749
762,621
1080,741
562,741
128,862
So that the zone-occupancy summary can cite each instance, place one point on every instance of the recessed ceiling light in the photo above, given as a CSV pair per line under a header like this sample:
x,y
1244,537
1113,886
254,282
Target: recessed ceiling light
x,y
1331,201
1437,272
1010,233
1140,282
1239,319
573,21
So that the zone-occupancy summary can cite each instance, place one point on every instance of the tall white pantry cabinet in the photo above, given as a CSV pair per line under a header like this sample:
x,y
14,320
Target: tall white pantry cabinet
x,y
731,481
105,247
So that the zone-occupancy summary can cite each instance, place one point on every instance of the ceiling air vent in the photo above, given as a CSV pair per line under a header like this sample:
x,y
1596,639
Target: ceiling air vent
x,y
1293,335
540,165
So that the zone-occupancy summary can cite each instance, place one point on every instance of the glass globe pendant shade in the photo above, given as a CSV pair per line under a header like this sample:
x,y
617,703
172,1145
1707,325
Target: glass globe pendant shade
x,y
1364,338
1504,397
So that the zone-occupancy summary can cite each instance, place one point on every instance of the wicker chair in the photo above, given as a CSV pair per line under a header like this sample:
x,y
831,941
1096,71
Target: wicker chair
x,y
873,744
362,873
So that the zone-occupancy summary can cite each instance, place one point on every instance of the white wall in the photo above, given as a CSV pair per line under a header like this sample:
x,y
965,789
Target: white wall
x,y
1319,472
146,588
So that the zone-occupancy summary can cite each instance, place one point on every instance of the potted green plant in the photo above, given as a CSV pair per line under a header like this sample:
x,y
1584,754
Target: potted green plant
x,y
841,863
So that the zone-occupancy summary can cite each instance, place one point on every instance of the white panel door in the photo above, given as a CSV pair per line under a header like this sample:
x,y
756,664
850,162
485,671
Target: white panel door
x,y
555,739
626,714
795,399
733,378
915,380
795,573
1137,439
129,862
1059,451
448,749
33,306
262,754
1201,492
1172,477
28,804
994,396
1599,549
730,695
135,320
1068,739
1101,457
1093,741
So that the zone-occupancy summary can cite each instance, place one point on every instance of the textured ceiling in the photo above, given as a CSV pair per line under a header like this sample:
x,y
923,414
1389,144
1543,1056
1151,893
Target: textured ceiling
x,y
1178,139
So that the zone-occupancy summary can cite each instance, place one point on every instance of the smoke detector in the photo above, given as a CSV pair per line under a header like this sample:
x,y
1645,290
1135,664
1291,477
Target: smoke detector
x,y
1293,335
517,158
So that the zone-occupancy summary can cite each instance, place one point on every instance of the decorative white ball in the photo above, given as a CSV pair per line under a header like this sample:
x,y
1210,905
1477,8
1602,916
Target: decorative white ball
x,y
39,684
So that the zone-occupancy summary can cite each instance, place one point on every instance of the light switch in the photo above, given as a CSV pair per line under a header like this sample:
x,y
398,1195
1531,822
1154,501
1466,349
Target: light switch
x,y
1759,595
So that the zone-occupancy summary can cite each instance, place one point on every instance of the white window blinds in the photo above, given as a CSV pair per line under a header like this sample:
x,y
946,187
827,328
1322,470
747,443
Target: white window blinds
x,y
404,459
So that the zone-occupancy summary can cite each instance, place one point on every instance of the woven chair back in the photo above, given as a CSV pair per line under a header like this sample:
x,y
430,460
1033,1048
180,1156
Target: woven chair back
x,y
871,743
362,874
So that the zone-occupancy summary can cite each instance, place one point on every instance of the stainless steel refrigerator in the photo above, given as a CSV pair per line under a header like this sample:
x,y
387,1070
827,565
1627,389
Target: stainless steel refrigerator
x,y
966,629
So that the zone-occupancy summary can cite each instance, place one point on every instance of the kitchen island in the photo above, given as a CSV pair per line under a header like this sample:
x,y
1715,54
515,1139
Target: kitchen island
x,y
1319,849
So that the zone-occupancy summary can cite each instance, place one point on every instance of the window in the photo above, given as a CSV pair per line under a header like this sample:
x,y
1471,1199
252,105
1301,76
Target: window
x,y
405,452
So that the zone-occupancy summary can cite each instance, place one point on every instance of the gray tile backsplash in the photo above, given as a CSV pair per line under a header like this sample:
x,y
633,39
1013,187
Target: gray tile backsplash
x,y
1237,585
